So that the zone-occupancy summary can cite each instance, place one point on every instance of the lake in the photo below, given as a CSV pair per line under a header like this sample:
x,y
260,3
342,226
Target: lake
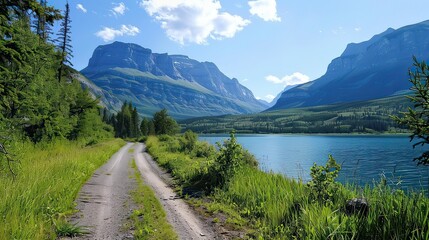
x,y
364,158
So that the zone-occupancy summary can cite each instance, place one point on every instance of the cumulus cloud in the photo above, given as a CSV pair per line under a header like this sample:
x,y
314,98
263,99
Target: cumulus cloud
x,y
265,9
295,78
193,21
119,9
109,34
81,8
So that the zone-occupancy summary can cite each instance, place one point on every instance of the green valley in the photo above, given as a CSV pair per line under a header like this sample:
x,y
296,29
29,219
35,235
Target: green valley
x,y
372,116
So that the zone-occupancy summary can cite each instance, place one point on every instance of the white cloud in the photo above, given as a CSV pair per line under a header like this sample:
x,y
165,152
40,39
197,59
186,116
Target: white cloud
x,y
357,29
81,7
339,30
193,21
295,78
119,9
109,34
265,9
270,97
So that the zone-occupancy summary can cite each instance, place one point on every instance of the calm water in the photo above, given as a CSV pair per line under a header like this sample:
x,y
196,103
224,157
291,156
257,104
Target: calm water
x,y
363,158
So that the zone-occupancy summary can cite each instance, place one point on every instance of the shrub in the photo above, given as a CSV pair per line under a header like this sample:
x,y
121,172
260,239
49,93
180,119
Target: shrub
x,y
203,149
322,185
188,141
227,162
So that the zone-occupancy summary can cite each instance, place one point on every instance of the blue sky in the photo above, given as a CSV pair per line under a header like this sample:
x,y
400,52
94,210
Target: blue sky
x,y
265,44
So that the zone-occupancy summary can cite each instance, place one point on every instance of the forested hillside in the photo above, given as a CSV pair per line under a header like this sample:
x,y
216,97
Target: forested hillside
x,y
39,100
357,117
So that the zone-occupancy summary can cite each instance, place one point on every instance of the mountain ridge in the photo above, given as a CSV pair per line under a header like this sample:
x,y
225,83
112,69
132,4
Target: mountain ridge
x,y
368,70
148,79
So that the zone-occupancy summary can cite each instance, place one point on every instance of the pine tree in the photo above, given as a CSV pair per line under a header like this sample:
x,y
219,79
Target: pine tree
x,y
164,124
417,118
144,127
64,42
106,115
151,128
135,123
39,22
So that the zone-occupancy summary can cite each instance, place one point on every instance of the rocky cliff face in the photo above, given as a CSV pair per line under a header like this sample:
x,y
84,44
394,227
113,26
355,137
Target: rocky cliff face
x,y
372,69
186,87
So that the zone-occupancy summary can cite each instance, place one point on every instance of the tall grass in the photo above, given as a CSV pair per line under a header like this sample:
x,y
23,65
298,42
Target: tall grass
x,y
48,179
150,219
280,208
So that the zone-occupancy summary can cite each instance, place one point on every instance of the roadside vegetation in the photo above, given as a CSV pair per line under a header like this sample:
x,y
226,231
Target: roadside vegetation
x,y
149,220
226,185
35,203
52,137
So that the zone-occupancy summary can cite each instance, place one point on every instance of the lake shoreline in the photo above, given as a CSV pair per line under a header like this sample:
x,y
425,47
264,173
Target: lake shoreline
x,y
266,205
364,157
311,134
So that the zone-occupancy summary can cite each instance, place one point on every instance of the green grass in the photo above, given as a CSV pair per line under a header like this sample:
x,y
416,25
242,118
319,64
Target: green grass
x,y
49,178
66,229
271,206
150,219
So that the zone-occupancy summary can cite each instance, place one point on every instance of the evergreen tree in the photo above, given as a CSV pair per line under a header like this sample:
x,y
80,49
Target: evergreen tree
x,y
144,127
106,116
39,21
164,124
135,123
64,42
417,118
127,122
151,128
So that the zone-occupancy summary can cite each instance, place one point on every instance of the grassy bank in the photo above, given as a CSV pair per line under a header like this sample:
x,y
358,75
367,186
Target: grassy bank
x,y
49,177
149,220
271,206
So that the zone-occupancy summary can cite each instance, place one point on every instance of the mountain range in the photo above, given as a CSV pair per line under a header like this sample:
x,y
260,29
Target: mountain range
x,y
187,88
372,69
151,81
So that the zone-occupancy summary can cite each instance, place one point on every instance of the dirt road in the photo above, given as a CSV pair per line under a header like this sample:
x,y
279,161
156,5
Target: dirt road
x,y
180,216
104,202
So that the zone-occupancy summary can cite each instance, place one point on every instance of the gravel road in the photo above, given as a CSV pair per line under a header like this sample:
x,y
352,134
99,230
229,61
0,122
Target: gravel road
x,y
186,223
104,202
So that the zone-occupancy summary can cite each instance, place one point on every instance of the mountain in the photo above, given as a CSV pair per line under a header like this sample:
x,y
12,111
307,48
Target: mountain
x,y
151,81
265,103
287,88
372,69
107,99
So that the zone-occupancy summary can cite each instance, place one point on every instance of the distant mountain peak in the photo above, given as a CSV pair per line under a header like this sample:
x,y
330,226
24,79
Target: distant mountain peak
x,y
371,69
132,69
358,48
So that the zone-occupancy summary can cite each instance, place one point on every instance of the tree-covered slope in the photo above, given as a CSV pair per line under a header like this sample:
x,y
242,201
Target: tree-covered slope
x,y
37,101
361,117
